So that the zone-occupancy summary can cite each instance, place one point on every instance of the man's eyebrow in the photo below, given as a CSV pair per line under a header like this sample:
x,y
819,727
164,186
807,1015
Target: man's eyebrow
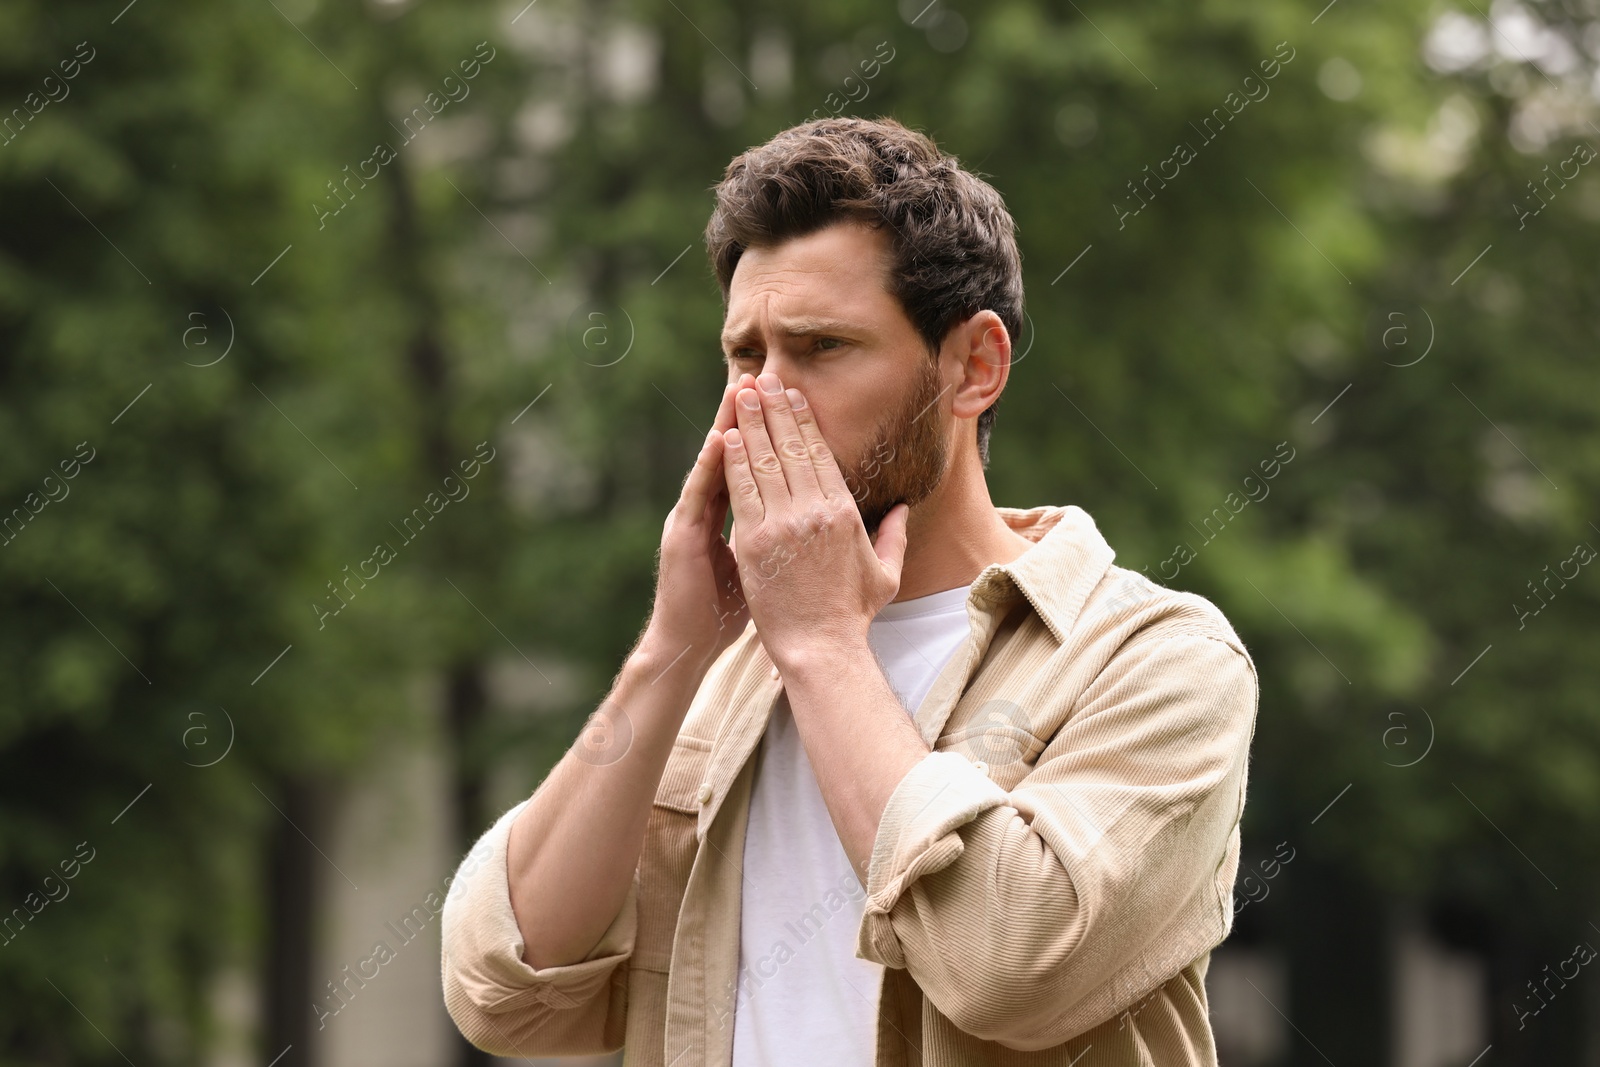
x,y
810,327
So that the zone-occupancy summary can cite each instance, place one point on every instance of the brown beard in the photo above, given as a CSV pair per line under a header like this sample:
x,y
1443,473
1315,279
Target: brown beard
x,y
906,461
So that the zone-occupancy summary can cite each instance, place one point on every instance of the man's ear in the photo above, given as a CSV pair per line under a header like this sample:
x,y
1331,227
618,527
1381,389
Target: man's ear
x,y
982,345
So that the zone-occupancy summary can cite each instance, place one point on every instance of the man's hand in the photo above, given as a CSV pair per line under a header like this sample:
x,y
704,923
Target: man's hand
x,y
699,606
811,576
572,853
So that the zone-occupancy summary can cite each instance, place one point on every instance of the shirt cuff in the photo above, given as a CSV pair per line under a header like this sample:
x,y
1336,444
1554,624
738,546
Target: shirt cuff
x,y
482,950
916,837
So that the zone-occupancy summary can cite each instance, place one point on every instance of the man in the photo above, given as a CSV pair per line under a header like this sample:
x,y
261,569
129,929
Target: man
x,y
897,777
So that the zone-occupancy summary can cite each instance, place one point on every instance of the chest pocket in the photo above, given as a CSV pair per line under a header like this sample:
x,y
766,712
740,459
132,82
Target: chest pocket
x,y
669,851
997,735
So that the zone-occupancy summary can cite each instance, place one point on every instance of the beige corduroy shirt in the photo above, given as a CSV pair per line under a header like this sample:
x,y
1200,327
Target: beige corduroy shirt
x,y
1045,887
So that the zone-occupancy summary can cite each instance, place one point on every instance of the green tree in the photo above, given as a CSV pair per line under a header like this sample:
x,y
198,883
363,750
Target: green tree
x,y
255,350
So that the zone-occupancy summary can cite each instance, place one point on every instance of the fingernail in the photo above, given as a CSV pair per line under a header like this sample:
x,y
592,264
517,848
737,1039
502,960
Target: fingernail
x,y
769,383
796,400
749,400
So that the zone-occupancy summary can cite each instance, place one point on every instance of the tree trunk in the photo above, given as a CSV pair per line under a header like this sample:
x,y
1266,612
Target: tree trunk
x,y
291,916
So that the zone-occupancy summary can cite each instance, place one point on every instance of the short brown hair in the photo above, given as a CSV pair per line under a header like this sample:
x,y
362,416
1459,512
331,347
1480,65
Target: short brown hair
x,y
953,243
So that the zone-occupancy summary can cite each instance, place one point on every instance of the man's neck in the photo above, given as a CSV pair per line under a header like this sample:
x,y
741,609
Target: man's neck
x,y
954,534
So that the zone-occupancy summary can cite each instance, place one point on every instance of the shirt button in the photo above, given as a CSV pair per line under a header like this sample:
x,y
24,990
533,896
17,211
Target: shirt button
x,y
775,673
704,796
982,766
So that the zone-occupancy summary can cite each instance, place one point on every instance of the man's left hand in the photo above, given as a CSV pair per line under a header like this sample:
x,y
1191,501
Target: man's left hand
x,y
812,578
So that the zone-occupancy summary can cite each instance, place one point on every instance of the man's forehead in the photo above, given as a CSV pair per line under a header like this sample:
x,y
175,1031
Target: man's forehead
x,y
831,278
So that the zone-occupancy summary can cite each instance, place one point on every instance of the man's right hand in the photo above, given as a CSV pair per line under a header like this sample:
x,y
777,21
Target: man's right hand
x,y
699,605
572,852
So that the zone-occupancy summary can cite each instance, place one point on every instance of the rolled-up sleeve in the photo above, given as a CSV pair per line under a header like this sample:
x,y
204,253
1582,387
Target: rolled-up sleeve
x,y
1032,915
500,1003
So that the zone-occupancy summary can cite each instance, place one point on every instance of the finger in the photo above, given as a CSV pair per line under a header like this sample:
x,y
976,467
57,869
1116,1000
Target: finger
x,y
890,543
762,460
717,512
702,481
744,494
799,471
706,501
823,463
725,413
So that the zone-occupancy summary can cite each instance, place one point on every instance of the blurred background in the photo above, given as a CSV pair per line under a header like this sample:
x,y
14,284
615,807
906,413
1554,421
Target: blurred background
x,y
352,354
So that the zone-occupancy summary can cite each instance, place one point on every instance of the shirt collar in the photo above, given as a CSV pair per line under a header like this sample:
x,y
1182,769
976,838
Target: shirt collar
x,y
1068,558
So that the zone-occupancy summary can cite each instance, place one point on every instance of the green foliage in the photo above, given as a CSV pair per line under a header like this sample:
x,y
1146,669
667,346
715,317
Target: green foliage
x,y
148,607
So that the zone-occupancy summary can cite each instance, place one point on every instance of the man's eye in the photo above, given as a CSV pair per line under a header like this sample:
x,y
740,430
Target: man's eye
x,y
829,343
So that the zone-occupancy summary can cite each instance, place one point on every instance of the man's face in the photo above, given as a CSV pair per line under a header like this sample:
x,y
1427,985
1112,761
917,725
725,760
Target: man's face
x,y
816,312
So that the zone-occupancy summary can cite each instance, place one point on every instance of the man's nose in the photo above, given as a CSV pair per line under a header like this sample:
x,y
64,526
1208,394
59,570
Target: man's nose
x,y
782,364
773,361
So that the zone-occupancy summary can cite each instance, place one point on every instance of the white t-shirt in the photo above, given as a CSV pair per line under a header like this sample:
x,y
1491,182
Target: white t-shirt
x,y
803,996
